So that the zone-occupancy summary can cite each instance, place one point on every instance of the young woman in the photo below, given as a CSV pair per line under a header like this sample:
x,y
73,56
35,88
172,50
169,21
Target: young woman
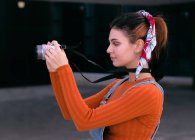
x,y
127,109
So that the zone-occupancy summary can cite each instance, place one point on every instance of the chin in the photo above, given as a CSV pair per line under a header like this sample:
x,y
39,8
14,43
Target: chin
x,y
116,65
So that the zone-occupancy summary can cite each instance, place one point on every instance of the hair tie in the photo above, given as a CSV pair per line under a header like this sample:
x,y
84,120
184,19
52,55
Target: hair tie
x,y
149,43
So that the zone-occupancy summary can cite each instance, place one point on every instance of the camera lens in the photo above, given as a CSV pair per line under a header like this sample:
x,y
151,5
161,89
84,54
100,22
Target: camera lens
x,y
40,51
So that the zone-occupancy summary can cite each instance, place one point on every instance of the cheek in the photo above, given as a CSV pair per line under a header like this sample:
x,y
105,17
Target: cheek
x,y
126,56
125,53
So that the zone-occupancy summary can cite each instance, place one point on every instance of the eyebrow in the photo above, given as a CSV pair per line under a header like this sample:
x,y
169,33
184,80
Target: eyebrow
x,y
114,39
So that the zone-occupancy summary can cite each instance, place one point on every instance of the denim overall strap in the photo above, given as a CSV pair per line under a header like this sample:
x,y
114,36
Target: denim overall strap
x,y
158,86
97,134
145,82
107,96
162,91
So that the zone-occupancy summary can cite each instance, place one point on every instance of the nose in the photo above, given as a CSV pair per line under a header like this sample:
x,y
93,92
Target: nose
x,y
108,49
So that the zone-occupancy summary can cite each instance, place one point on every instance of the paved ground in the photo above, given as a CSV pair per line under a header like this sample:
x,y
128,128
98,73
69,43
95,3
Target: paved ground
x,y
31,113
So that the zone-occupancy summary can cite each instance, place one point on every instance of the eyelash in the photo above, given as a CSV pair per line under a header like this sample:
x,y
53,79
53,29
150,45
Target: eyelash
x,y
116,44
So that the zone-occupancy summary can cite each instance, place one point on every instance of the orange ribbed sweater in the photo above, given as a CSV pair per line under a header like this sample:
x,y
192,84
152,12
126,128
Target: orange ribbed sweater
x,y
133,116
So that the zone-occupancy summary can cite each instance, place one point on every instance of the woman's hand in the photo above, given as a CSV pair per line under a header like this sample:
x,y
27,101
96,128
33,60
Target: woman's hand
x,y
55,56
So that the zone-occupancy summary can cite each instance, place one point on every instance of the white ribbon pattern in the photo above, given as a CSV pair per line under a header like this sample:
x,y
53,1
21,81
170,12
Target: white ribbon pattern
x,y
149,44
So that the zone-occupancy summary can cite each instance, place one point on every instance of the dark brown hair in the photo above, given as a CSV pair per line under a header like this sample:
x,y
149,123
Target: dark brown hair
x,y
136,26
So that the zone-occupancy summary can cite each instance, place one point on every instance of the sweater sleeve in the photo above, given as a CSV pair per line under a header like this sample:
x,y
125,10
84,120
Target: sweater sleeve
x,y
140,101
59,95
92,101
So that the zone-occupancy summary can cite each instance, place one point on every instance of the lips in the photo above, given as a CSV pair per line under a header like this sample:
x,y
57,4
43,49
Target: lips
x,y
112,58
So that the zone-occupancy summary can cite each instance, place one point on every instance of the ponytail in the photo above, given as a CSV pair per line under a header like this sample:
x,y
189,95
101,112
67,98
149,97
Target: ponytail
x,y
157,62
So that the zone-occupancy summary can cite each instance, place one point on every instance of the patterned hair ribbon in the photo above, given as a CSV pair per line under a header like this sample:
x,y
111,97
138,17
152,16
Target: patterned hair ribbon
x,y
149,43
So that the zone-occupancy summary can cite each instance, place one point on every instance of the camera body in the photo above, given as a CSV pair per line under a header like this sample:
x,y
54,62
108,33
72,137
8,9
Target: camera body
x,y
41,49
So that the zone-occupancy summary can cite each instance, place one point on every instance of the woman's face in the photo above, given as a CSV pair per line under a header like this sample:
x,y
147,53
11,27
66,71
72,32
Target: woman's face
x,y
121,51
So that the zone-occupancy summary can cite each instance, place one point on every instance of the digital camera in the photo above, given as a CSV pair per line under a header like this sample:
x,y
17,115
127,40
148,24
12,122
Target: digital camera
x,y
40,51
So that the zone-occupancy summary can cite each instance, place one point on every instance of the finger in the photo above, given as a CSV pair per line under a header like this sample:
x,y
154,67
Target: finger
x,y
50,47
49,43
49,62
53,52
49,54
57,45
53,55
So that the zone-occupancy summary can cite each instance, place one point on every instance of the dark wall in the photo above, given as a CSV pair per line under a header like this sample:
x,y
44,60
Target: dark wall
x,y
70,23
181,21
23,29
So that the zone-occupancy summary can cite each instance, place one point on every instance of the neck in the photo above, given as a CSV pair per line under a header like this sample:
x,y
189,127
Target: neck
x,y
145,73
141,76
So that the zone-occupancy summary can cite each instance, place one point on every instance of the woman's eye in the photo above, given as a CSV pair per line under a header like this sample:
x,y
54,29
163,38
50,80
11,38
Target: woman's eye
x,y
116,43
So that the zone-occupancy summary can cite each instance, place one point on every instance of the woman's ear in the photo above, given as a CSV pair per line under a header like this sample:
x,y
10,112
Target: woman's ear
x,y
139,46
